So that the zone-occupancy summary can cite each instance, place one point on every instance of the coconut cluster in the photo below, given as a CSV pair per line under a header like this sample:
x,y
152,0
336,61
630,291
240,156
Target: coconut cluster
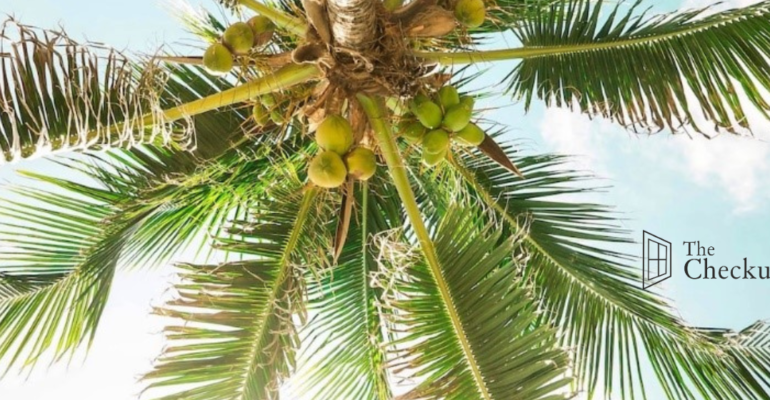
x,y
338,159
434,123
239,39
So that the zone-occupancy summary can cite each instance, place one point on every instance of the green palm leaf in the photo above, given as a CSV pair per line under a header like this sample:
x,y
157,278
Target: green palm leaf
x,y
344,355
517,357
751,346
238,338
62,245
152,202
593,295
638,71
12,286
66,262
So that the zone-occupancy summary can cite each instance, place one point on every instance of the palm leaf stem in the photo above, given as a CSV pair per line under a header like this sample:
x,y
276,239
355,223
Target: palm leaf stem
x,y
284,78
471,57
375,109
374,325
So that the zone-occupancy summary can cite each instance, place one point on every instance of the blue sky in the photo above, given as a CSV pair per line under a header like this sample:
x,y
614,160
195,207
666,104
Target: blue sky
x,y
680,188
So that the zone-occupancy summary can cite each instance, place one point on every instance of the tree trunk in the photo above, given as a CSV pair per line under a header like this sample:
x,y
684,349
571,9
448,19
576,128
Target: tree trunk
x,y
353,23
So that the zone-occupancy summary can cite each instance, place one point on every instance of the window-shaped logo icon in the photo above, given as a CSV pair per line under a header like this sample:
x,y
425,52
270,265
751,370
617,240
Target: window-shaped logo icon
x,y
657,258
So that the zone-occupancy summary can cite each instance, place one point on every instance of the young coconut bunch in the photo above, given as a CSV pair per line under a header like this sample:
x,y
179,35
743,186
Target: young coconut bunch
x,y
436,123
238,41
358,268
338,160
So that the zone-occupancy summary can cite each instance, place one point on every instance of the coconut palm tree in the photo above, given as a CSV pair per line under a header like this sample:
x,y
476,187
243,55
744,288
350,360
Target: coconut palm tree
x,y
457,270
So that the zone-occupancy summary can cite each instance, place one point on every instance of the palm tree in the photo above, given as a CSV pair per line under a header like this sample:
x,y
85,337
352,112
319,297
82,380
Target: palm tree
x,y
473,279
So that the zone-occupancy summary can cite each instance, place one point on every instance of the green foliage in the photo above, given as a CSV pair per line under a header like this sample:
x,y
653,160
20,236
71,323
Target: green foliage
x,y
647,72
468,281
57,270
592,293
140,207
237,339
517,357
343,353
65,263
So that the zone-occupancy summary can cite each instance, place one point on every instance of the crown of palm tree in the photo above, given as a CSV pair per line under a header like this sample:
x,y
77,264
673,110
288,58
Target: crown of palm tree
x,y
473,279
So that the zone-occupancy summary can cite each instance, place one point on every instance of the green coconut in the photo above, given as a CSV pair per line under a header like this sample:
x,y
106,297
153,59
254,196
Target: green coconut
x,y
429,114
268,100
431,160
448,97
471,13
470,136
239,38
218,59
260,114
392,5
421,98
457,118
277,117
335,134
327,170
263,29
468,101
435,142
361,163
412,131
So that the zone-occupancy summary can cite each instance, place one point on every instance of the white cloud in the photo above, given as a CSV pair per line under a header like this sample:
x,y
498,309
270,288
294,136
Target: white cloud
x,y
733,167
571,133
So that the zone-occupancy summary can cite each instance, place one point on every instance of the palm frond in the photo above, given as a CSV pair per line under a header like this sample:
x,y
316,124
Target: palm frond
x,y
593,294
57,94
517,357
60,247
343,353
66,261
471,376
237,338
169,197
647,72
163,199
12,286
751,347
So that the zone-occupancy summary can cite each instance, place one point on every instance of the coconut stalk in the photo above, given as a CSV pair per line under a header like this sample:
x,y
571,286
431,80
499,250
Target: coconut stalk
x,y
353,23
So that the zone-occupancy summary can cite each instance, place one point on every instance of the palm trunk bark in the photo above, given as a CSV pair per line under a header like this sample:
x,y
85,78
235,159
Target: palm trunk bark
x,y
353,23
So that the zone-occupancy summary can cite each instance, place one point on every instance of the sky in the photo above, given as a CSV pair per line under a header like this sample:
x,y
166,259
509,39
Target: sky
x,y
681,188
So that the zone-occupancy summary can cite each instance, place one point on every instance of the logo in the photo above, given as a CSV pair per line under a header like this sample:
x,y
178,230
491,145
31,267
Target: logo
x,y
657,259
